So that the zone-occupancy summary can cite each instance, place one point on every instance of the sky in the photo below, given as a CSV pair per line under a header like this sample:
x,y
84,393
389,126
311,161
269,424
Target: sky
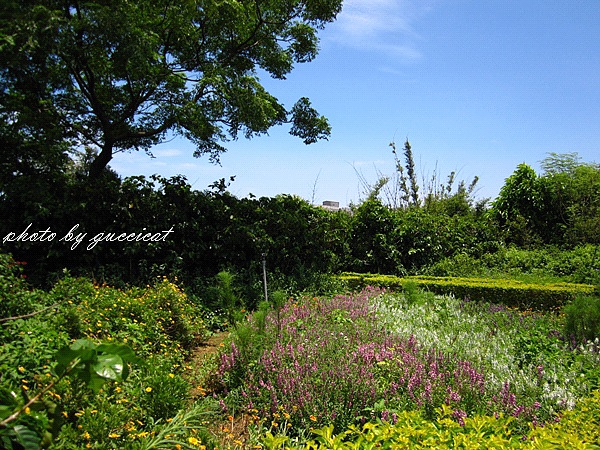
x,y
477,87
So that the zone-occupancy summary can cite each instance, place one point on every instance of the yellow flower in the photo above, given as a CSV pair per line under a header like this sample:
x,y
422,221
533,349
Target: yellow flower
x,y
171,375
313,418
192,440
86,436
21,369
114,435
148,389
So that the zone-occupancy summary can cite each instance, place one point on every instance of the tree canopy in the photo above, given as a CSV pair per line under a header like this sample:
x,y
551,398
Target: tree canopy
x,y
117,75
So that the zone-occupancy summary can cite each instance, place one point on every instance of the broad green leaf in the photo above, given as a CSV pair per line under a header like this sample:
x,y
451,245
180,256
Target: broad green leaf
x,y
26,437
109,366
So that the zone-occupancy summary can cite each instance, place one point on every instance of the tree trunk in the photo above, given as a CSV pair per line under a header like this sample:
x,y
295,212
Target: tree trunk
x,y
99,164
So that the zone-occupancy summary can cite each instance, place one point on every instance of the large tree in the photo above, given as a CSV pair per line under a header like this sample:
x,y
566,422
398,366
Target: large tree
x,y
120,75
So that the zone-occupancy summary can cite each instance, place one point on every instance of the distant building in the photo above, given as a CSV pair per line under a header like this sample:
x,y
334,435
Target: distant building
x,y
331,206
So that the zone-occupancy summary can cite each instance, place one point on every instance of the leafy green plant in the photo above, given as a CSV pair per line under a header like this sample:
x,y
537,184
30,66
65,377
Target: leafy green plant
x,y
17,298
227,297
90,363
577,429
583,319
163,393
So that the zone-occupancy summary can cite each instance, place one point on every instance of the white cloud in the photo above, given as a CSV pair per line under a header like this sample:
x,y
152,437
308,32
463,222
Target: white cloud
x,y
167,152
384,26
361,18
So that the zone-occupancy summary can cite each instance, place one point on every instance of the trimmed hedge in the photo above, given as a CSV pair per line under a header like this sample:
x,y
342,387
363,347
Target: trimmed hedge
x,y
513,293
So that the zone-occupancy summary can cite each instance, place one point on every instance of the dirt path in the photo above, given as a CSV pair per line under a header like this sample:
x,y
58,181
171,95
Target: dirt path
x,y
232,431
199,376
209,347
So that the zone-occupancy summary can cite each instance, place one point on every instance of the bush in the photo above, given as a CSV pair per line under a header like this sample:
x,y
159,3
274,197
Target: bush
x,y
159,324
17,299
509,292
583,319
575,429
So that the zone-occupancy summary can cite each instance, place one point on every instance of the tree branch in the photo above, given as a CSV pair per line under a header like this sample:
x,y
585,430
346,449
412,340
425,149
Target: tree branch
x,y
25,316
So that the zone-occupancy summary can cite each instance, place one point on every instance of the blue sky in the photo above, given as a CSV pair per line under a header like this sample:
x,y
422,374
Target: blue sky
x,y
478,87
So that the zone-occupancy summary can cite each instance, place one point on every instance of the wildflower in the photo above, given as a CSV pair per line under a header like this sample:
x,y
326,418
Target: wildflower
x,y
313,418
114,435
86,436
171,375
148,389
21,369
194,441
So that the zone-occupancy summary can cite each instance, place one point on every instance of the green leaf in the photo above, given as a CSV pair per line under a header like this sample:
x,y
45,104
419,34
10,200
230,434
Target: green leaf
x,y
109,366
26,437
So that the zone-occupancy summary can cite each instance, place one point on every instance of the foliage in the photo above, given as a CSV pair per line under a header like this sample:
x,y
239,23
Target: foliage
x,y
518,206
83,360
86,341
351,359
583,319
121,76
559,207
578,265
403,241
510,292
411,430
17,298
212,232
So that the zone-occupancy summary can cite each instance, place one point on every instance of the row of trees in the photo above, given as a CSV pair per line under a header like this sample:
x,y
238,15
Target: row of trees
x,y
213,230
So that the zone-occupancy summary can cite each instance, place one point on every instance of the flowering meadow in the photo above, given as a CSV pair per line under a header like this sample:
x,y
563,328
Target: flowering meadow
x,y
119,401
375,356
90,366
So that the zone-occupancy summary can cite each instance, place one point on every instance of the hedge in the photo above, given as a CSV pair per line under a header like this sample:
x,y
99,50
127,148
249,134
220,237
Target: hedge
x,y
513,293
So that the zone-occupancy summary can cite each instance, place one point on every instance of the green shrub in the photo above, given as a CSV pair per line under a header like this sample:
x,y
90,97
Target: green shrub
x,y
163,393
583,319
17,299
577,265
579,427
157,322
509,292
576,429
